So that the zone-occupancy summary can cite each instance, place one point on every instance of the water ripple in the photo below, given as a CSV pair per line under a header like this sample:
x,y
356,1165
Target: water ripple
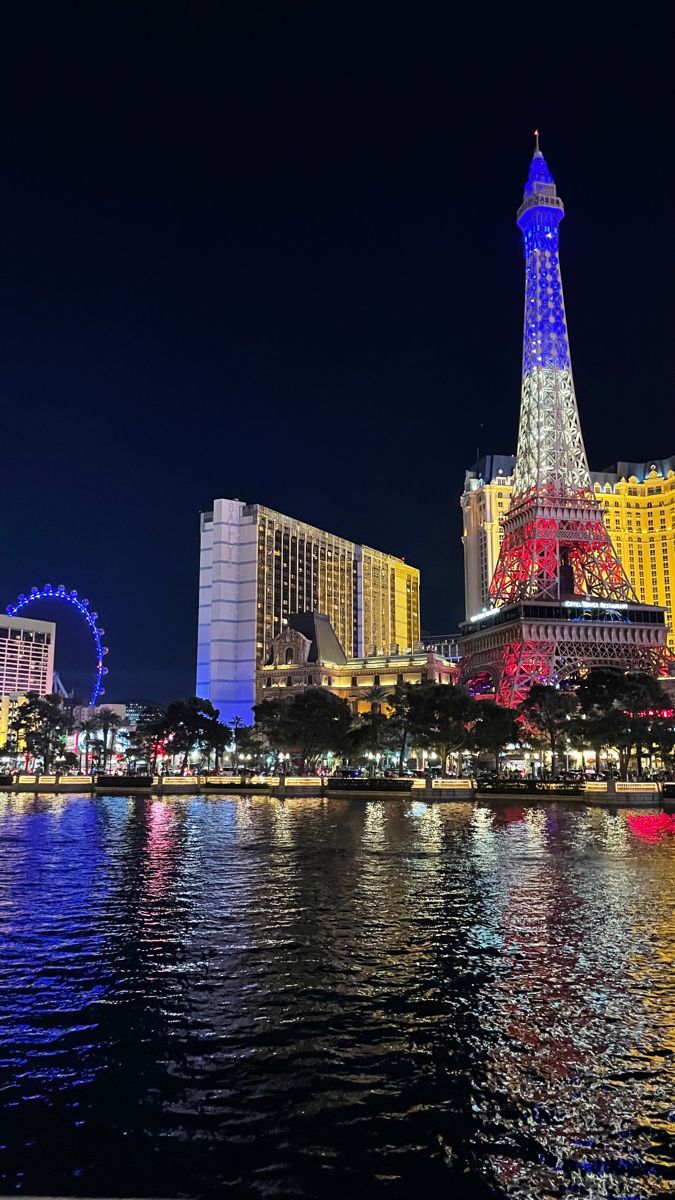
x,y
308,998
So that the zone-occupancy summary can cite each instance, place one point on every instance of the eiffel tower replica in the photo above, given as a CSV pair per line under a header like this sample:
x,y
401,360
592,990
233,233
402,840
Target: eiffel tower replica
x,y
561,601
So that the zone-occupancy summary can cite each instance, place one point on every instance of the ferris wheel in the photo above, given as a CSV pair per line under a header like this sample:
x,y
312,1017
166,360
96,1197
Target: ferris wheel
x,y
90,618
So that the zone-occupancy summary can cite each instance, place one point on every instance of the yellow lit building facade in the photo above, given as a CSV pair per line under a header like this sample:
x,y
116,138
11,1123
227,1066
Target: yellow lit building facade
x,y
307,653
390,604
9,706
639,504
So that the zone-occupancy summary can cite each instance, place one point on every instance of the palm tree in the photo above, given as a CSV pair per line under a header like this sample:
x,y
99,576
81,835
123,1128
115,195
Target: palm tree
x,y
376,697
235,725
87,728
108,722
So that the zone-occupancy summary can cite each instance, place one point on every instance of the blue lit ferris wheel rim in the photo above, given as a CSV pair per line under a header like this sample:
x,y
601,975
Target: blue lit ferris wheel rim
x,y
82,607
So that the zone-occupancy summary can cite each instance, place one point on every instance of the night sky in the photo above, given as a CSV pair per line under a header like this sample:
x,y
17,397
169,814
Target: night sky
x,y
271,252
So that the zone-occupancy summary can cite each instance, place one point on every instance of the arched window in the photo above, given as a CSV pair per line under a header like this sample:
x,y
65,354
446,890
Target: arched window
x,y
289,655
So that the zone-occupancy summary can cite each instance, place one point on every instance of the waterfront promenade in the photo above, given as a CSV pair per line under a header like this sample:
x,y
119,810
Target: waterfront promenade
x,y
615,792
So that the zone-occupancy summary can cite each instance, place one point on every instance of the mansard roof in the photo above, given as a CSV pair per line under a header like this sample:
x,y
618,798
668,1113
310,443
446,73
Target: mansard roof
x,y
316,627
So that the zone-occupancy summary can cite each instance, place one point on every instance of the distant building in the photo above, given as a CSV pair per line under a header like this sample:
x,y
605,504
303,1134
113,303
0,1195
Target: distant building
x,y
307,653
136,708
444,644
258,566
639,505
26,656
89,712
485,500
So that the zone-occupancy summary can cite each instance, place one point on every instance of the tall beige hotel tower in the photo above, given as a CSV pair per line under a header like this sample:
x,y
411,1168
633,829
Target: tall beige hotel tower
x,y
258,566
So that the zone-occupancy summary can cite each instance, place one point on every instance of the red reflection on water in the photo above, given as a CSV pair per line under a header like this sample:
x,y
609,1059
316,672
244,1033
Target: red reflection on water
x,y
651,827
508,815
161,844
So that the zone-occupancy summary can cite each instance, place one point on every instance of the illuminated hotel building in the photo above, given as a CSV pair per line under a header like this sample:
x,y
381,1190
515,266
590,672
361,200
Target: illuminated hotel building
x,y
307,654
639,504
26,656
8,710
258,566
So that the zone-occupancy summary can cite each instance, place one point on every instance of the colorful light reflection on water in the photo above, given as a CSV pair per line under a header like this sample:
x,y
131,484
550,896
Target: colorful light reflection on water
x,y
652,826
310,998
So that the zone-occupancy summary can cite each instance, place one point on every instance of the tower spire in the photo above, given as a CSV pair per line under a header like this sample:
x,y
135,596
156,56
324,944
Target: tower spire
x,y
551,451
536,142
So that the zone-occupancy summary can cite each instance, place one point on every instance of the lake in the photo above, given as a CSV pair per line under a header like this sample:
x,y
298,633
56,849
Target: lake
x,y
332,998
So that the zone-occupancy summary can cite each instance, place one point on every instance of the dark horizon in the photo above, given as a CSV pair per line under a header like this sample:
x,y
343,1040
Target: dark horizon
x,y
277,258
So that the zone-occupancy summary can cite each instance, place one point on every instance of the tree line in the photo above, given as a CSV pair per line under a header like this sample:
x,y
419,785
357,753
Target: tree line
x,y
40,726
605,710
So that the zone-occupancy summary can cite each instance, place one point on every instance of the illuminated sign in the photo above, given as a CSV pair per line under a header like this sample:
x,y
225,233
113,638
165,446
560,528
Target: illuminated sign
x,y
606,604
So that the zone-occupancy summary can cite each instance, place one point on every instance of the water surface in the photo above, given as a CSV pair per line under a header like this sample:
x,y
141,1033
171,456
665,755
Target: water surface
x,y
249,997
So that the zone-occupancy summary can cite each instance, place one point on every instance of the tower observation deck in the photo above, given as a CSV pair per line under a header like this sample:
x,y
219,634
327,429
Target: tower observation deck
x,y
561,599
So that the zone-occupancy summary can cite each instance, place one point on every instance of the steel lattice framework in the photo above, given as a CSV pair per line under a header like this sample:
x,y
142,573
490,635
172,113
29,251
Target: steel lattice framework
x,y
555,544
545,532
544,642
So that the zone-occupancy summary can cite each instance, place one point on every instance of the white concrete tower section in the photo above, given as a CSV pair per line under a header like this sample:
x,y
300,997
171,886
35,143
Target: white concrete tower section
x,y
226,644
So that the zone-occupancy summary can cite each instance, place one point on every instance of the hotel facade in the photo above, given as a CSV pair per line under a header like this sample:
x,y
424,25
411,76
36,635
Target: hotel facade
x,y
258,566
307,654
639,507
26,656
26,665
